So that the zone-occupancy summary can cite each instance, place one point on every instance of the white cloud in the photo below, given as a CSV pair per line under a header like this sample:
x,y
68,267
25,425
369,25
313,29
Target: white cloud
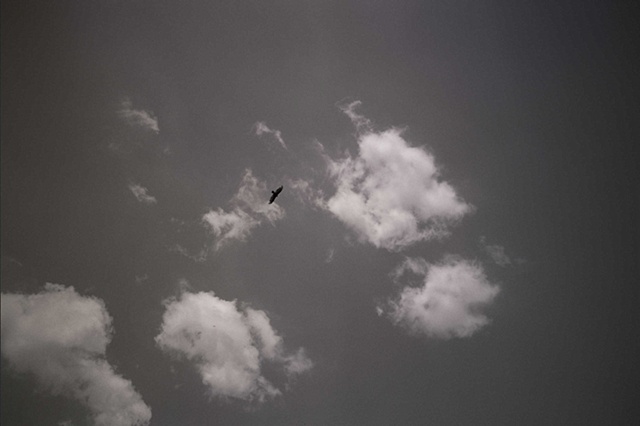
x,y
61,337
448,302
261,128
235,225
137,117
362,123
196,256
297,362
141,194
391,194
249,208
227,345
260,325
271,345
496,252
305,192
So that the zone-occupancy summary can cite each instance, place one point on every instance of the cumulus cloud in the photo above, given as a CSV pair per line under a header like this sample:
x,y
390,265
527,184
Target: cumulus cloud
x,y
137,117
496,252
261,128
227,345
391,193
448,300
61,337
249,208
141,194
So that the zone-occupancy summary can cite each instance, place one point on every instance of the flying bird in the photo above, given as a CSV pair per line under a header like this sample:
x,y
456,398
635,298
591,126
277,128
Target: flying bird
x,y
274,194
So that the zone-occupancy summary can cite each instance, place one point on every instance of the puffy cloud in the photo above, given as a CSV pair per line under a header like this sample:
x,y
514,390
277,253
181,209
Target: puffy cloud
x,y
140,192
227,345
249,209
261,128
447,302
297,362
391,193
61,337
496,252
138,117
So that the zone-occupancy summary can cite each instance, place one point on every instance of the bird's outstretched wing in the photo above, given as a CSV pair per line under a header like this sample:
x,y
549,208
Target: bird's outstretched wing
x,y
274,194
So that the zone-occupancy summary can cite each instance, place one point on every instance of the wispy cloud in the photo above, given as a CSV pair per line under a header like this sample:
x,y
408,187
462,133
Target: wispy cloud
x,y
330,253
305,192
199,255
142,194
261,128
496,252
234,225
447,301
391,193
138,117
249,208
227,345
362,123
61,337
139,279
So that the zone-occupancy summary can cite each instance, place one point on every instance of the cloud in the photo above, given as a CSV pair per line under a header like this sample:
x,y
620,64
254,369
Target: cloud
x,y
235,225
362,123
448,301
227,345
139,279
261,128
496,252
330,254
137,117
61,337
249,209
305,192
141,194
196,256
271,345
391,193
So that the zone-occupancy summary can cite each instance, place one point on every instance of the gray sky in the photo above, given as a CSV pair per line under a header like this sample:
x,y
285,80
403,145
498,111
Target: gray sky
x,y
456,241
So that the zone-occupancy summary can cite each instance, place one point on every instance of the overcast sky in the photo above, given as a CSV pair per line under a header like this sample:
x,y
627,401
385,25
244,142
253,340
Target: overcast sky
x,y
456,242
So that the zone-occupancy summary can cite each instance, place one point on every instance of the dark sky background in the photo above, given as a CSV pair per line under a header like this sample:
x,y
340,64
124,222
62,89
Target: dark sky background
x,y
530,109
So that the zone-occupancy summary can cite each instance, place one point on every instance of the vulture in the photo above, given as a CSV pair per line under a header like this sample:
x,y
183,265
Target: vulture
x,y
274,194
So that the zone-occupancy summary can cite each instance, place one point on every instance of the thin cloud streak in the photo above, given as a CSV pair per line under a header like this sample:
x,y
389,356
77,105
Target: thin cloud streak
x,y
305,192
362,123
261,128
138,117
141,193
61,337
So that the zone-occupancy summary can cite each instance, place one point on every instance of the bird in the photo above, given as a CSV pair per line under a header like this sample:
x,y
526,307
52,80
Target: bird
x,y
274,194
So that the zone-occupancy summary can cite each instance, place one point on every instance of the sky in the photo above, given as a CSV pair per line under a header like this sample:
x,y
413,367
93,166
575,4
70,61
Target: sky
x,y
456,242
